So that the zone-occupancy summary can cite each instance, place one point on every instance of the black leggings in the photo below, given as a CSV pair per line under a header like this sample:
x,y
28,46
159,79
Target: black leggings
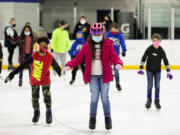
x,y
11,53
74,71
46,94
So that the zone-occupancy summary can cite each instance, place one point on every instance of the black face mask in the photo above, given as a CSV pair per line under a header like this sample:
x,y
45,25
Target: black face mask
x,y
14,25
66,28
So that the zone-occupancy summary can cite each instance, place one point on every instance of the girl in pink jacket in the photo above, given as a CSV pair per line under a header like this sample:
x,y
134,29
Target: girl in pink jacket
x,y
98,53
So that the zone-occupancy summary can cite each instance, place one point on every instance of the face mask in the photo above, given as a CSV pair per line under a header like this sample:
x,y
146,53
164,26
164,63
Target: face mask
x,y
79,39
156,44
14,25
43,49
27,33
97,39
82,21
114,33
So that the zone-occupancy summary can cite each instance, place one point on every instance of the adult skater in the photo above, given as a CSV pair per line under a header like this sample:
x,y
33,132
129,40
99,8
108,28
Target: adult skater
x,y
154,54
11,40
25,49
118,40
40,76
83,26
75,48
98,53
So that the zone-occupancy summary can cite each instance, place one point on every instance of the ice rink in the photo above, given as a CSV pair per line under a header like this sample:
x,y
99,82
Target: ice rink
x,y
70,106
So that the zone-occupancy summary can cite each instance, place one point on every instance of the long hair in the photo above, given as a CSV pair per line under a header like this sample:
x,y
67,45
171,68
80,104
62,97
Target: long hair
x,y
23,35
92,45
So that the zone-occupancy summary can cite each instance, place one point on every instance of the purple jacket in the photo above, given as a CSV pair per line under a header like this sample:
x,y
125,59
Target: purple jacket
x,y
108,55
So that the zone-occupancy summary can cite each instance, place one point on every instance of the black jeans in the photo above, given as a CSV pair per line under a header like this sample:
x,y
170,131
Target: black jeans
x,y
74,71
46,94
11,53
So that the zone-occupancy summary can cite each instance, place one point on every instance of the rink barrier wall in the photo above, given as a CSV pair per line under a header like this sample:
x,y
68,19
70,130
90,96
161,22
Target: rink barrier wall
x,y
125,67
135,50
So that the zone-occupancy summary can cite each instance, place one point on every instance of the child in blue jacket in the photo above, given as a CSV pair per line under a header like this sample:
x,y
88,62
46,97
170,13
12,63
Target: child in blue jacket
x,y
75,48
118,40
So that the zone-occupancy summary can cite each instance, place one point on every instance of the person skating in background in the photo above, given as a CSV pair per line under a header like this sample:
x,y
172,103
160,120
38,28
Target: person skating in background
x,y
40,61
1,58
83,26
11,40
25,49
153,55
118,41
97,53
75,48
61,43
107,22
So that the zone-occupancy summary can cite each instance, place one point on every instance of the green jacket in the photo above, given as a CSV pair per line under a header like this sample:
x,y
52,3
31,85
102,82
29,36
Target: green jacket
x,y
60,41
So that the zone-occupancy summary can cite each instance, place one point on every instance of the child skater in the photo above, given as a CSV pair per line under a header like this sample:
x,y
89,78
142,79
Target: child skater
x,y
118,40
154,54
75,48
40,61
1,58
98,53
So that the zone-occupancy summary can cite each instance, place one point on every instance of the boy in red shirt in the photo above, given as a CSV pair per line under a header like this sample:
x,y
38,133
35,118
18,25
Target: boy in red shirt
x,y
40,61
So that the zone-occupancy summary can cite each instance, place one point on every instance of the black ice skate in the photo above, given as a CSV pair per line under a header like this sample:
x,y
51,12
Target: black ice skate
x,y
148,103
92,123
157,104
36,115
48,116
71,82
10,67
118,86
108,123
20,83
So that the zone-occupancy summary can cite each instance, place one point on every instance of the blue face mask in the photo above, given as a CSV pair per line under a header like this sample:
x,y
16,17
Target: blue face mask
x,y
97,39
79,39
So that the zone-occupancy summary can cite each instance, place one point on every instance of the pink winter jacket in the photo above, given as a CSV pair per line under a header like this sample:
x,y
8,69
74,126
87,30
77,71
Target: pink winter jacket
x,y
108,55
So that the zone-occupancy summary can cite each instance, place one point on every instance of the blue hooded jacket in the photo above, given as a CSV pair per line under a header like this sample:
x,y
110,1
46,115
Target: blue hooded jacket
x,y
118,40
77,45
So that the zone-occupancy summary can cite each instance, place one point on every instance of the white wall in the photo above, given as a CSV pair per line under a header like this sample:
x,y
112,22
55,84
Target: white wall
x,y
135,50
63,10
23,12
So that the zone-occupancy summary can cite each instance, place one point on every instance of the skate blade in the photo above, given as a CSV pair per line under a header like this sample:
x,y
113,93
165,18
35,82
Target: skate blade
x,y
158,110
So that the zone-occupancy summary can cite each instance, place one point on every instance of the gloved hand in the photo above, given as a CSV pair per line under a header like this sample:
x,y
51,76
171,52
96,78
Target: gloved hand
x,y
9,78
169,76
123,54
140,72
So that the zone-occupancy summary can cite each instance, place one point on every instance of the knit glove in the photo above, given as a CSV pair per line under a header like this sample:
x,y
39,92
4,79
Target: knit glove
x,y
140,72
169,76
123,54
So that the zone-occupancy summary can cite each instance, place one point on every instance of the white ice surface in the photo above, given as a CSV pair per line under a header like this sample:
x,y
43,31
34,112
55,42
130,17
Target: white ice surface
x,y
70,106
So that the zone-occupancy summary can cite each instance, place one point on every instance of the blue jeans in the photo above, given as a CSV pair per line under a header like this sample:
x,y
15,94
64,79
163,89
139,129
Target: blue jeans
x,y
157,77
27,56
97,88
116,72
